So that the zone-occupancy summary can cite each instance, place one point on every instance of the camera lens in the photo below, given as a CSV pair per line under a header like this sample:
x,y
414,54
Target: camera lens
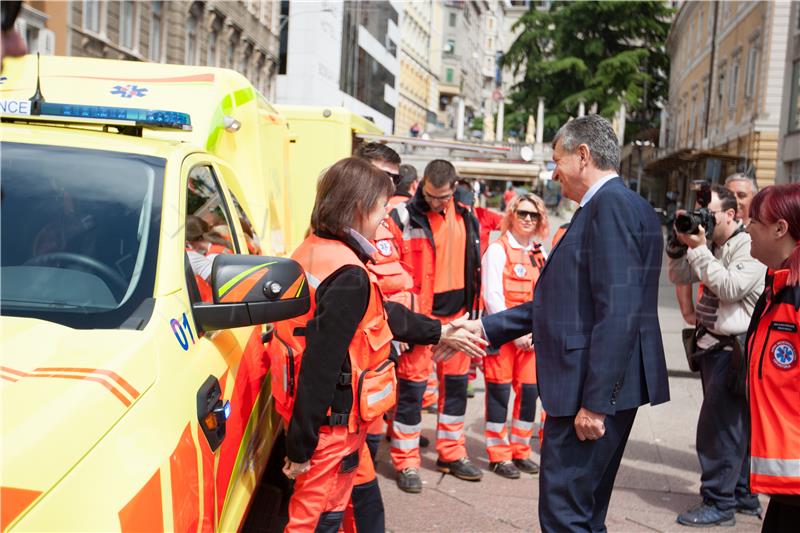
x,y
684,223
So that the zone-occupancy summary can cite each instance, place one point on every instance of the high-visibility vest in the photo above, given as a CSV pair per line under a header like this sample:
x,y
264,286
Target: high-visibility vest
x,y
773,342
394,278
521,271
419,251
371,375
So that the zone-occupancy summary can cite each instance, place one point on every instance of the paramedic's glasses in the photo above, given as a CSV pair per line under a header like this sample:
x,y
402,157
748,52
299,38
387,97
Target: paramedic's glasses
x,y
533,215
430,197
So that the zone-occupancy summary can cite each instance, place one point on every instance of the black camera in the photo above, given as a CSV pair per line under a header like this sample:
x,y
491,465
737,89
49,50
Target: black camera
x,y
690,222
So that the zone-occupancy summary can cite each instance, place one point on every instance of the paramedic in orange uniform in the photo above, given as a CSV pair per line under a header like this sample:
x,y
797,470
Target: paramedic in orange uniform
x,y
773,342
346,379
440,242
509,272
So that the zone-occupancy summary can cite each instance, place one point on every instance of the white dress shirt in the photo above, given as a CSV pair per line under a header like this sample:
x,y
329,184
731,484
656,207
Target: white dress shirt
x,y
596,187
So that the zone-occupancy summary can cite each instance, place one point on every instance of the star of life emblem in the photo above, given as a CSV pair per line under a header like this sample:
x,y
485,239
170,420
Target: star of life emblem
x,y
384,247
784,355
519,270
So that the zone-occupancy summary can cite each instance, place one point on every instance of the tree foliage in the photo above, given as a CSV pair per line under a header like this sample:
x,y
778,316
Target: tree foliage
x,y
600,53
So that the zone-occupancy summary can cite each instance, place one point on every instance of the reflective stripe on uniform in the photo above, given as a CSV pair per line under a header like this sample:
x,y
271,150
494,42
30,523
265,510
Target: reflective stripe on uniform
x,y
496,427
491,441
452,435
775,467
520,440
402,213
409,234
405,429
522,425
380,395
405,444
451,419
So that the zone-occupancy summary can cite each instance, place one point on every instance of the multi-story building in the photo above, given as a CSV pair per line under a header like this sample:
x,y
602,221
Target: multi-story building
x,y
788,168
239,35
725,92
420,53
460,82
341,54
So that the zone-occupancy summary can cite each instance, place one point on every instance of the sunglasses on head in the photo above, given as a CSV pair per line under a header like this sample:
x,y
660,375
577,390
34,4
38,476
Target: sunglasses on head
x,y
9,11
522,215
395,177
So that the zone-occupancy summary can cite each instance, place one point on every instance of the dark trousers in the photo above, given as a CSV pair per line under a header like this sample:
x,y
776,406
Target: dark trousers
x,y
577,477
781,516
722,436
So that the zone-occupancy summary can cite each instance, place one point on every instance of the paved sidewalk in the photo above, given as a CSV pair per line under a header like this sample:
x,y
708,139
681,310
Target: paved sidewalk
x,y
659,476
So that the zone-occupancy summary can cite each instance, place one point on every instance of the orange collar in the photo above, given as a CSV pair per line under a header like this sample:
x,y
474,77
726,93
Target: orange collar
x,y
777,279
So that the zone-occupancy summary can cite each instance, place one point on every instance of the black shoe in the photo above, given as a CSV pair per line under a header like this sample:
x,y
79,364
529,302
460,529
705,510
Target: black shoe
x,y
462,469
707,515
408,480
505,469
749,505
527,466
432,409
423,441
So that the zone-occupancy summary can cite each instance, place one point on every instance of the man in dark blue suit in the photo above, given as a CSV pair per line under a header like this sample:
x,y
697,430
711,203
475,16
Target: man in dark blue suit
x,y
594,317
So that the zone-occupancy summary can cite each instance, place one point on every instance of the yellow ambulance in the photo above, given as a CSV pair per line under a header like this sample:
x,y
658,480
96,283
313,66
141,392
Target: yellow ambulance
x,y
137,200
318,137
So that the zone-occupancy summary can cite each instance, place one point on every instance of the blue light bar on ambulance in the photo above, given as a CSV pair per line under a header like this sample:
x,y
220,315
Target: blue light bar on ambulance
x,y
139,117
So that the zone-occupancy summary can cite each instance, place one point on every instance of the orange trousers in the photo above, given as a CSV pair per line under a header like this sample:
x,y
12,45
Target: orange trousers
x,y
511,367
364,511
412,373
321,494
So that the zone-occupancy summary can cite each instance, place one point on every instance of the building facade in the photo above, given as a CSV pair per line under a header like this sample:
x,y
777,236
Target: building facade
x,y
337,53
239,35
460,79
418,81
788,168
725,93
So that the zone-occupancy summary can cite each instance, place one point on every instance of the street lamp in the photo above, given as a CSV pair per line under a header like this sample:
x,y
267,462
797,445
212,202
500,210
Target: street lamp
x,y
639,147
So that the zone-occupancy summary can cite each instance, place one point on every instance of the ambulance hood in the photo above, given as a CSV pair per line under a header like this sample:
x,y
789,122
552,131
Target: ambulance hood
x,y
62,390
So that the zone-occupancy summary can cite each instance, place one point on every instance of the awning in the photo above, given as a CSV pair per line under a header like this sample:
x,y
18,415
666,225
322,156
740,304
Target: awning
x,y
685,156
497,170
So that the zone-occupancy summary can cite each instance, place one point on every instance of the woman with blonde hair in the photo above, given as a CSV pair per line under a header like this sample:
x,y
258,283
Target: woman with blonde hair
x,y
511,266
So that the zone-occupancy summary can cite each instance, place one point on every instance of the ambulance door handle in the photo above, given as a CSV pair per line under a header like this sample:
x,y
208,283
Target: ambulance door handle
x,y
212,412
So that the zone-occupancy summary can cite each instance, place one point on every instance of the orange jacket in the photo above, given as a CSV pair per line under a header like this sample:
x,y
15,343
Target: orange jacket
x,y
411,226
368,351
521,272
393,276
773,342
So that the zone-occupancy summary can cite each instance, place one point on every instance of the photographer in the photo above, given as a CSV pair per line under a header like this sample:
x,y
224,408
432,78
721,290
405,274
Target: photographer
x,y
731,282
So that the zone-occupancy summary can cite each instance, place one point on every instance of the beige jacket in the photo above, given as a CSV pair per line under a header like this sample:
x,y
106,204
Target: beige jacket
x,y
732,282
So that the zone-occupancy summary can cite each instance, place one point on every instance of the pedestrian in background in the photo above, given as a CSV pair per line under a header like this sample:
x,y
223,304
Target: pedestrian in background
x,y
772,345
440,242
510,269
744,187
12,44
731,282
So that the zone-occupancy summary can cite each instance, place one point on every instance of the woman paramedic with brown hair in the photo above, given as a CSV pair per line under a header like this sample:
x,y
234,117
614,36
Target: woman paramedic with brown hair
x,y
346,379
510,269
772,347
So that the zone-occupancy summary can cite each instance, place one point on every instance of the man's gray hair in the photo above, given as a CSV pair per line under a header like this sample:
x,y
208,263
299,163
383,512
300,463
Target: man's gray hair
x,y
740,176
595,132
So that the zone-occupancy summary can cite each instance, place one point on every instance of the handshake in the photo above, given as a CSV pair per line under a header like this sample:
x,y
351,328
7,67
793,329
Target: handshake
x,y
460,335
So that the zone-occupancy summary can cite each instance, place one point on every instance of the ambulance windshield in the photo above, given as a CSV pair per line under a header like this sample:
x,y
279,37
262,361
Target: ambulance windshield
x,y
79,235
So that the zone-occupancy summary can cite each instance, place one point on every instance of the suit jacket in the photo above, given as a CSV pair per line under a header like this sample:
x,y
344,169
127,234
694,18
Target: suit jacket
x,y
594,313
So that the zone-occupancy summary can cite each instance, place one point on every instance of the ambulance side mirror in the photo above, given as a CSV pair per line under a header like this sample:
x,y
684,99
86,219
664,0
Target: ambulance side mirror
x,y
253,289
